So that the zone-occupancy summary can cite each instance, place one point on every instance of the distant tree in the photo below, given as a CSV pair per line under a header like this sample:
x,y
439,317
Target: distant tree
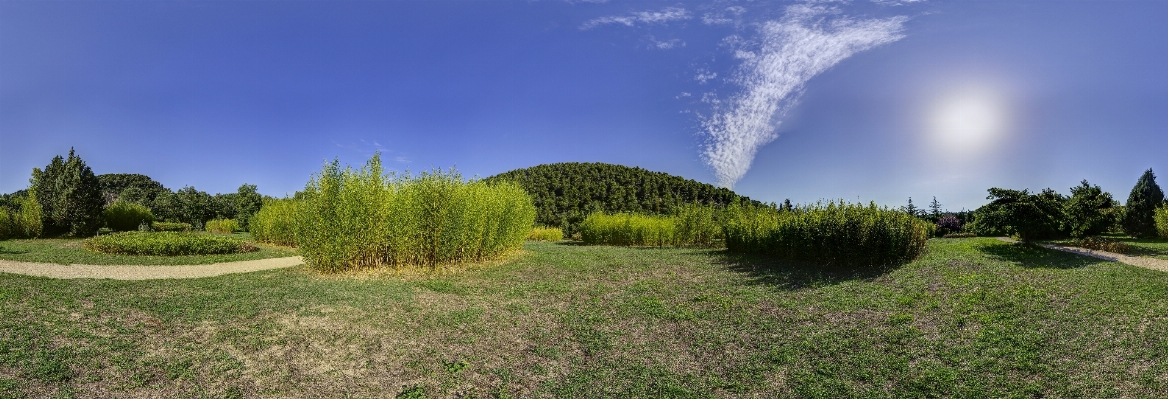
x,y
1141,205
195,207
1088,211
1020,213
70,196
935,209
787,205
248,201
911,209
143,188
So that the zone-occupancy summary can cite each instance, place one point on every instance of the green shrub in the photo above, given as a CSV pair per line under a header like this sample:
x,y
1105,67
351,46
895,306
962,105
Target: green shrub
x,y
1088,211
22,222
222,226
839,234
959,235
553,234
126,216
1101,244
167,243
628,229
274,221
170,226
1162,220
363,218
1138,217
697,225
1021,214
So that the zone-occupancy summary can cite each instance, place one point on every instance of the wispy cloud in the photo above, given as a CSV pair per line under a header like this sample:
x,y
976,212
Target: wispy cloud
x,y
728,15
806,41
666,44
667,14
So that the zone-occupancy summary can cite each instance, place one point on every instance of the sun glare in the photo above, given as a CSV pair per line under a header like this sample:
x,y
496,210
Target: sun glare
x,y
968,119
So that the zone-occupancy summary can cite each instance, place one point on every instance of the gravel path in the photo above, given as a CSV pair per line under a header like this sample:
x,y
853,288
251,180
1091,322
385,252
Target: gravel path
x,y
138,272
1147,263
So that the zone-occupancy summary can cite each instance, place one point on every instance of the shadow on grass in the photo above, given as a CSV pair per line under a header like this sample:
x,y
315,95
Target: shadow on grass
x,y
791,275
1033,256
6,251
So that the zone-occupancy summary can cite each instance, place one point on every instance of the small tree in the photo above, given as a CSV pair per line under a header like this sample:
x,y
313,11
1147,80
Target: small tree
x,y
935,209
1141,204
1013,212
248,201
70,196
1088,211
911,209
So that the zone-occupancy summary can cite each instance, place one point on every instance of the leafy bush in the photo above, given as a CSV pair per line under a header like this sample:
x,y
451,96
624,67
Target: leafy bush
x,y
1088,211
959,235
166,244
838,234
363,218
948,224
1101,244
628,229
1162,220
170,226
552,234
1020,213
222,226
274,222
1141,206
22,222
697,225
126,216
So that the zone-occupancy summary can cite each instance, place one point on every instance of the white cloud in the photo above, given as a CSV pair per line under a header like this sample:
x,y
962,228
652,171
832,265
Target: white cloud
x,y
666,44
805,42
647,17
729,15
704,76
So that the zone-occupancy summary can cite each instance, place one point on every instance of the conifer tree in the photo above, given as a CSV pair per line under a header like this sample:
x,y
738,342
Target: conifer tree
x,y
1141,206
70,196
935,208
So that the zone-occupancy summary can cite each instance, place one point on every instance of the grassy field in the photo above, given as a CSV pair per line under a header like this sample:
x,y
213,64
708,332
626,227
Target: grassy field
x,y
1149,247
70,251
971,318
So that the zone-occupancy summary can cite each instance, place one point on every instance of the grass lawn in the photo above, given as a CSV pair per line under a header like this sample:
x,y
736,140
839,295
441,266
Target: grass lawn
x,y
971,318
69,251
1149,247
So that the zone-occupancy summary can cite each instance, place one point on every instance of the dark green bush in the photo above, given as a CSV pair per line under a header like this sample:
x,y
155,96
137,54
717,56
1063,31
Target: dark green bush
x,y
1021,214
837,234
1088,211
274,222
166,243
170,226
126,216
69,195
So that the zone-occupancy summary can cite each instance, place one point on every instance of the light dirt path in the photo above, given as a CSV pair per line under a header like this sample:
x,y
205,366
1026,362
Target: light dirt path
x,y
140,272
1147,263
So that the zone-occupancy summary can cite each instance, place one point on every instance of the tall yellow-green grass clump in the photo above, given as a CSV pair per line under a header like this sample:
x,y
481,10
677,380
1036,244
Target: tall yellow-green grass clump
x,y
274,222
838,234
365,218
222,226
553,234
1161,217
628,229
23,222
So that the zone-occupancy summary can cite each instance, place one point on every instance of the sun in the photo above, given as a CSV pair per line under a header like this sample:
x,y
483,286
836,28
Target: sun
x,y
967,119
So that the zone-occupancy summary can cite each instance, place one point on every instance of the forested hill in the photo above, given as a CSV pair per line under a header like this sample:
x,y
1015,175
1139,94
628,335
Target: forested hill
x,y
564,193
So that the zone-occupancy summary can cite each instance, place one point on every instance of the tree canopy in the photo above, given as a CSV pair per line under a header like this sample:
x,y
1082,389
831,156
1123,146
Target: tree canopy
x,y
565,193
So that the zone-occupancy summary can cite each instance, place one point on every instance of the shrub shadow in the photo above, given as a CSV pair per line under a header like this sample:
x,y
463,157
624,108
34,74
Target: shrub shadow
x,y
790,275
1033,256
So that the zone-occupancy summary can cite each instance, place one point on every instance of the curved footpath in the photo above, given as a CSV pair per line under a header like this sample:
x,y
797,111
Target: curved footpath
x,y
143,272
1147,263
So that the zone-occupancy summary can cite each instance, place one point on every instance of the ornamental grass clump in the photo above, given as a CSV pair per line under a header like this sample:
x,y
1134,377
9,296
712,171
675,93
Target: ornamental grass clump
x,y
351,219
166,243
222,226
273,223
834,234
628,229
126,216
1161,218
552,234
170,226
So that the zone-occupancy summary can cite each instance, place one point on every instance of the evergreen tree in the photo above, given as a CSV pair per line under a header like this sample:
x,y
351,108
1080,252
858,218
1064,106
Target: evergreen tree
x,y
787,205
1141,206
935,209
911,209
70,196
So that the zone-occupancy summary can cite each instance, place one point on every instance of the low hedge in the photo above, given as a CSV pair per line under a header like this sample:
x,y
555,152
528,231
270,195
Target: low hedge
x,y
167,243
222,226
553,234
170,226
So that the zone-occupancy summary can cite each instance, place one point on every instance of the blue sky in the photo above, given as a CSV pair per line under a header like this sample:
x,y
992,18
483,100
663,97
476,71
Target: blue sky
x,y
855,100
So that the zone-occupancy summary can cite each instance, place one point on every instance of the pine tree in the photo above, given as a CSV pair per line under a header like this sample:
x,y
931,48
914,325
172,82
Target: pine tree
x,y
787,205
935,208
910,208
1141,206
70,196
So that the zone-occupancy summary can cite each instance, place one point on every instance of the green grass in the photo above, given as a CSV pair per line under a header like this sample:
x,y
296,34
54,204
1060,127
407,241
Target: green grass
x,y
970,318
1147,247
70,251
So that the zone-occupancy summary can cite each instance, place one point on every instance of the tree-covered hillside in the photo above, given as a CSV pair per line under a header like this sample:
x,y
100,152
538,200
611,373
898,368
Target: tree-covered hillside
x,y
564,193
